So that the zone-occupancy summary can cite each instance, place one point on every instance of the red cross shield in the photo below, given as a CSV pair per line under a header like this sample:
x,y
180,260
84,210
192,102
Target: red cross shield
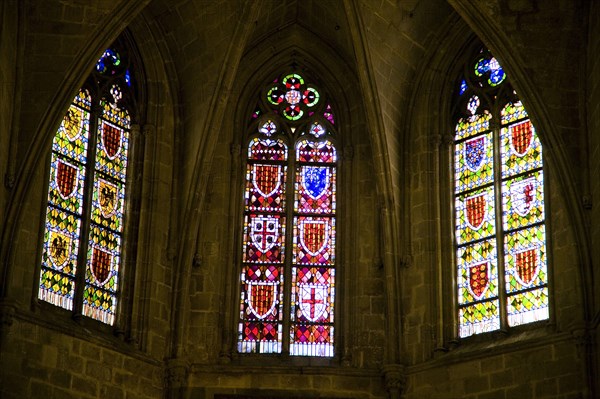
x,y
65,178
101,265
476,210
314,235
312,300
521,137
59,248
111,138
266,179
264,232
479,278
262,298
527,265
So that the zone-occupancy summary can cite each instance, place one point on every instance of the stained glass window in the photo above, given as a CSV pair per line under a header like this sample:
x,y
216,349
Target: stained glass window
x,y
287,279
500,240
83,233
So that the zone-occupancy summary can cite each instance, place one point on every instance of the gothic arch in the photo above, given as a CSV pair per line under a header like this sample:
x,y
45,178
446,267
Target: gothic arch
x,y
430,122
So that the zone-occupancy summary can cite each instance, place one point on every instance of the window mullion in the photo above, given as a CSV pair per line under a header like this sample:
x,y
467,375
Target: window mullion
x,y
498,206
289,243
86,213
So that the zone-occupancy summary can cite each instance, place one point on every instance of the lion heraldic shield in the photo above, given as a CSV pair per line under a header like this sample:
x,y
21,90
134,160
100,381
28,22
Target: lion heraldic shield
x,y
522,195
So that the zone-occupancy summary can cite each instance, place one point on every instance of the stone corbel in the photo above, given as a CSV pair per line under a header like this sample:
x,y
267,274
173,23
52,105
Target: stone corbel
x,y
394,376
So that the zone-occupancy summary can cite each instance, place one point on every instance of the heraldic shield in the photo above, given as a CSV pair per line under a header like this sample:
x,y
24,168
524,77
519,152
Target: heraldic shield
x,y
474,153
111,139
315,180
314,235
267,179
521,137
527,265
522,194
262,298
73,123
264,232
101,265
59,249
479,275
65,178
108,198
312,300
476,210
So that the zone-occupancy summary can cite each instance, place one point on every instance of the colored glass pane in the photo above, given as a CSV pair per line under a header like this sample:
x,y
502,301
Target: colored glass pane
x,y
521,149
314,240
528,307
473,162
113,149
315,189
525,258
513,179
523,200
475,216
66,184
264,236
467,127
265,187
311,151
479,318
328,114
267,150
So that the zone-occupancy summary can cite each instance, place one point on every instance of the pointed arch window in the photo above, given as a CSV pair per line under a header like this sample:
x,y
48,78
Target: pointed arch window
x,y
287,279
83,230
500,227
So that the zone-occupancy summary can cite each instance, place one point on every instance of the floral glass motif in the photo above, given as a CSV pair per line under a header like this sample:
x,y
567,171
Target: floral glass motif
x,y
66,254
490,258
310,266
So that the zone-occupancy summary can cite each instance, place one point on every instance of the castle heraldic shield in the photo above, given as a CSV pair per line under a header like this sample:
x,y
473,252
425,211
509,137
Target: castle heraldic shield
x,y
266,179
262,298
264,232
522,194
476,210
312,300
